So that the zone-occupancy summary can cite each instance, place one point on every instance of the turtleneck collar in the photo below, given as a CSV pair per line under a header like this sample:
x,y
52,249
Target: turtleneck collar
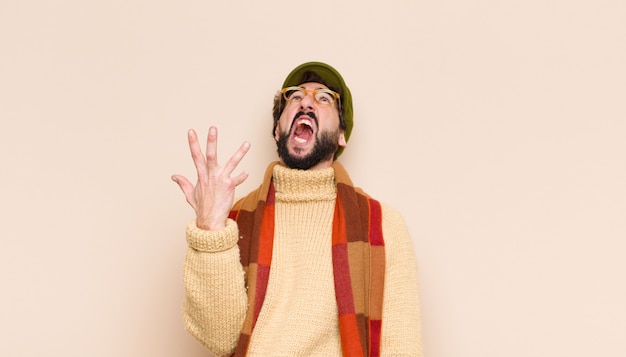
x,y
293,185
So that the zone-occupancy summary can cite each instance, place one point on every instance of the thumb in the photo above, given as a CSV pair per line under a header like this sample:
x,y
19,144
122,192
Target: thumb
x,y
186,187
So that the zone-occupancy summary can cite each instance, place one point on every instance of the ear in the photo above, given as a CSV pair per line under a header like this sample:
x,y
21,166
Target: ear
x,y
276,136
342,140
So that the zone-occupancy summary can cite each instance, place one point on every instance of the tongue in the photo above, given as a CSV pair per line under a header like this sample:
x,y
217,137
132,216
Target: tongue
x,y
303,132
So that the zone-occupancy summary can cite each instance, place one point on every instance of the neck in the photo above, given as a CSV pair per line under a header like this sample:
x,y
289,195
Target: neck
x,y
304,185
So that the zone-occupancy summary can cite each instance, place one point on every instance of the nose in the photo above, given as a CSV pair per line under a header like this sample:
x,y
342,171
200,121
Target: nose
x,y
308,100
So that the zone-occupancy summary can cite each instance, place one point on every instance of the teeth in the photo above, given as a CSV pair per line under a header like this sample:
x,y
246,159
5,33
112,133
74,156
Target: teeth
x,y
303,121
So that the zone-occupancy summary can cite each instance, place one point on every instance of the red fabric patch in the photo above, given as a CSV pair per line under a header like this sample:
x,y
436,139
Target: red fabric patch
x,y
349,332
343,285
376,229
375,335
262,277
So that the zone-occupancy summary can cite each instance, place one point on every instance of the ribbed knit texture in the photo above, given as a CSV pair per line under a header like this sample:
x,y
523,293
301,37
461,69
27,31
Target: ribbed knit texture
x,y
215,297
299,314
300,289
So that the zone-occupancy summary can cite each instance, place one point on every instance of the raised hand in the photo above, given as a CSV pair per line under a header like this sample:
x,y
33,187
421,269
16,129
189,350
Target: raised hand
x,y
213,195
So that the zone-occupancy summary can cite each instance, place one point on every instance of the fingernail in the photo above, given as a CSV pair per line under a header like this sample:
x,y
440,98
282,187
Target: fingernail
x,y
212,131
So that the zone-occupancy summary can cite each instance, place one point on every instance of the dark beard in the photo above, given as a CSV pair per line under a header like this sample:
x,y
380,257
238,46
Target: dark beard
x,y
325,148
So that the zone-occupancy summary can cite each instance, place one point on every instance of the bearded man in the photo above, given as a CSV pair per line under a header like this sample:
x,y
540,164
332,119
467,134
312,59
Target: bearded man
x,y
307,264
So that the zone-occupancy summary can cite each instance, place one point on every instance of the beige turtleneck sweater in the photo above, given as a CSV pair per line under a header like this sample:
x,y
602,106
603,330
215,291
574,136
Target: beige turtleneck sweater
x,y
299,313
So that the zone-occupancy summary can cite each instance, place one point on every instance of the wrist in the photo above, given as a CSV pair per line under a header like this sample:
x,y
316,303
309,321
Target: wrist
x,y
210,225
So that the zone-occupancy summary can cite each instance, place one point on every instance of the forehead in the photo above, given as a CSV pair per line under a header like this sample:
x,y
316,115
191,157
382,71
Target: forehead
x,y
313,85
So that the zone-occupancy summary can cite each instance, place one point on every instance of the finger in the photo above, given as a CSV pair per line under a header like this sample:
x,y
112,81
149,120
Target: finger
x,y
211,148
196,154
236,158
186,187
239,179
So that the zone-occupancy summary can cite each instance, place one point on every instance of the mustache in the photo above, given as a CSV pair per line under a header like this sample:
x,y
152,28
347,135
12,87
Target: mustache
x,y
301,113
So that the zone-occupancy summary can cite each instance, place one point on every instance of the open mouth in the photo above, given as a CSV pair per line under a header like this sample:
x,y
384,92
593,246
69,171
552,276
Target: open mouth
x,y
303,130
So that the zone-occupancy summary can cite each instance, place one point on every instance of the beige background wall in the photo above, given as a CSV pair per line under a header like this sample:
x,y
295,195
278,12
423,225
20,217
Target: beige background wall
x,y
496,127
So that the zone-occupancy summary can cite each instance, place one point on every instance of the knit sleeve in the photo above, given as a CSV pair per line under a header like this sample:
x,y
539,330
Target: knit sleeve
x,y
215,296
401,329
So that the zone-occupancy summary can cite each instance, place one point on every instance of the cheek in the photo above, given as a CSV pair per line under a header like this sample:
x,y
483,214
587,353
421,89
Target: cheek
x,y
283,124
332,121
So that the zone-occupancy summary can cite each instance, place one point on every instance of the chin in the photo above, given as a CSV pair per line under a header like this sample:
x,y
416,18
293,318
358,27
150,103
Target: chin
x,y
301,158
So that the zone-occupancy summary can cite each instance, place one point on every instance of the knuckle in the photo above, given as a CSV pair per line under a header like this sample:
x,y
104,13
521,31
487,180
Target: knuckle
x,y
229,183
196,155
